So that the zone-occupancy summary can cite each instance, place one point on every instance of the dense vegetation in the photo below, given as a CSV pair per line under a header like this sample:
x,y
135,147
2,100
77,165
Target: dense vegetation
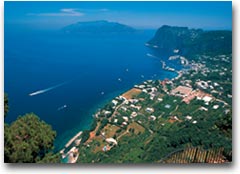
x,y
161,137
28,140
6,108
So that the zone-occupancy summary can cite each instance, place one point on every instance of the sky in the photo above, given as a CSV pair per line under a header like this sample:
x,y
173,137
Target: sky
x,y
141,14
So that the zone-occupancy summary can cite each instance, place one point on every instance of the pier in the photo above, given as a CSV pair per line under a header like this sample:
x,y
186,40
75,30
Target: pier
x,y
73,139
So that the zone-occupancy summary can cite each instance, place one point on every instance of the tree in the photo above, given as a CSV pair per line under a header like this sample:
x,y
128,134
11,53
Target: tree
x,y
6,107
104,122
85,136
27,140
51,158
94,124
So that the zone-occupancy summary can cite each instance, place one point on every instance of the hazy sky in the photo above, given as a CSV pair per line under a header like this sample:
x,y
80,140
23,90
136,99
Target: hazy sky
x,y
152,15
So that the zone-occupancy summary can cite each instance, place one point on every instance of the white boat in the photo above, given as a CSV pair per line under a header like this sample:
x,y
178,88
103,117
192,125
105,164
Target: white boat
x,y
37,92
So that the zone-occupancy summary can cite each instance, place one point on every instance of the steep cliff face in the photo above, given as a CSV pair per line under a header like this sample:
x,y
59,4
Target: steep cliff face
x,y
192,41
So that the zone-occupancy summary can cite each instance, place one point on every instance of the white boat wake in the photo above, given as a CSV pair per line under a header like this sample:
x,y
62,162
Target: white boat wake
x,y
62,107
46,90
150,55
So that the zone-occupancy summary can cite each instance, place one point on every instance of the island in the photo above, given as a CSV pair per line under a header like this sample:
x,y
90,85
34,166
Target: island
x,y
187,119
101,27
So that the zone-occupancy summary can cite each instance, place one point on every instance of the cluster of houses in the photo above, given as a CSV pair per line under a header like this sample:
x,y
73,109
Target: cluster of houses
x,y
187,90
214,87
187,94
148,87
130,105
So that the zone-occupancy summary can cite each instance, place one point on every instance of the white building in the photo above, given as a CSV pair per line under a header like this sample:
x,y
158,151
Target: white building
x,y
125,118
207,99
150,110
188,117
134,114
115,102
152,117
215,106
111,140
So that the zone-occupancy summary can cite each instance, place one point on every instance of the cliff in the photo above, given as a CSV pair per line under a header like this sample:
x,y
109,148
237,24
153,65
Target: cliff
x,y
192,41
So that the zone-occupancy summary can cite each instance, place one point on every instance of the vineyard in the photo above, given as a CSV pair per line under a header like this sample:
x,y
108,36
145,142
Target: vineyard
x,y
196,155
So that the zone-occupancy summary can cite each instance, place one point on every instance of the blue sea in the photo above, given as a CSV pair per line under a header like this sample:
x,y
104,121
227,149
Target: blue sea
x,y
81,73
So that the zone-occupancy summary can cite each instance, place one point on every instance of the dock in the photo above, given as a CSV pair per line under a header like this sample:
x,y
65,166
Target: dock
x,y
73,139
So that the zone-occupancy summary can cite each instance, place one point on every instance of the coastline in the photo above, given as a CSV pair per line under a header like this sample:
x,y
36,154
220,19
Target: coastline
x,y
72,141
104,133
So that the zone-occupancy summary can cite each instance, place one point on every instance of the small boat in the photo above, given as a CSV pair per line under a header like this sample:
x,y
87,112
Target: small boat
x,y
62,107
37,92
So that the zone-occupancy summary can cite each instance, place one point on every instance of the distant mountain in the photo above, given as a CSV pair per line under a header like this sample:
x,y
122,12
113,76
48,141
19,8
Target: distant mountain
x,y
192,41
98,27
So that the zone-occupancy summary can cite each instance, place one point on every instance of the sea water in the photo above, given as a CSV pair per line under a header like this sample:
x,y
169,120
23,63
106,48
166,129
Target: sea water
x,y
93,70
